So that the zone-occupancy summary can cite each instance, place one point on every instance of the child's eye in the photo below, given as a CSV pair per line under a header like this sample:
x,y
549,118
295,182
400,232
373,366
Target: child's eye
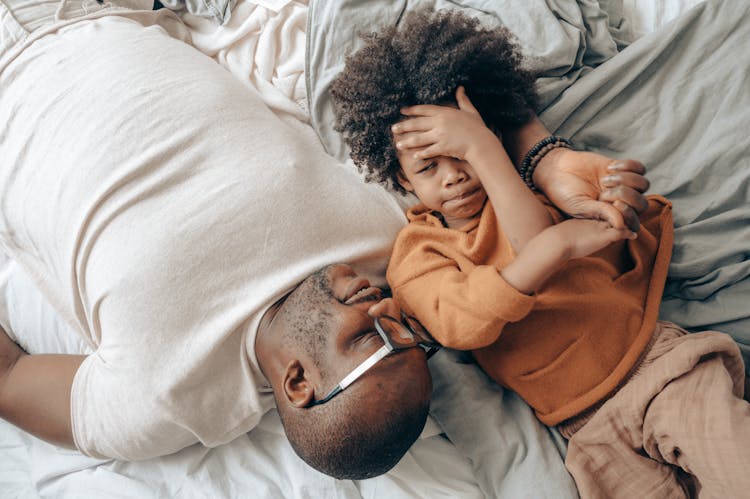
x,y
427,167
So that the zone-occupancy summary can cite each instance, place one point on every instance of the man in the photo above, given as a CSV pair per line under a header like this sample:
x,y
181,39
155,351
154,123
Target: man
x,y
305,345
162,209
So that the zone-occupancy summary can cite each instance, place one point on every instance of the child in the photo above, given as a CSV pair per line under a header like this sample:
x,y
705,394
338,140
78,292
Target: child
x,y
564,312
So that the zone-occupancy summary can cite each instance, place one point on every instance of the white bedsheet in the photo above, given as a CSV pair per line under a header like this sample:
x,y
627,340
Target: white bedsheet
x,y
261,463
263,45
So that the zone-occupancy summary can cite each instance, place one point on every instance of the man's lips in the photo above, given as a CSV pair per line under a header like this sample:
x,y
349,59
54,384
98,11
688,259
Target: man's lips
x,y
360,291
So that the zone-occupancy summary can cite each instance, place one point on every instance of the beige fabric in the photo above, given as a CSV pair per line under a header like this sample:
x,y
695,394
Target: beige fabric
x,y
24,21
680,423
161,207
263,45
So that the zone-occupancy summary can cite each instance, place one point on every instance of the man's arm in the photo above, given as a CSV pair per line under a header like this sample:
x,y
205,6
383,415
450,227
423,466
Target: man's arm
x,y
583,184
35,391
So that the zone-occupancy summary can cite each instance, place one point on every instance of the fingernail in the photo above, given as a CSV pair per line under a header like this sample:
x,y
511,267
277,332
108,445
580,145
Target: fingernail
x,y
609,180
616,165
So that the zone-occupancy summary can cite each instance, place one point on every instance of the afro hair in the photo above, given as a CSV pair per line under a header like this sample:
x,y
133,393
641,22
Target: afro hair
x,y
423,61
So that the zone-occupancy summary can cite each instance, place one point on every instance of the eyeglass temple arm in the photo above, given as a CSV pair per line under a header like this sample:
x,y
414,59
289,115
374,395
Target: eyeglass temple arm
x,y
356,373
364,366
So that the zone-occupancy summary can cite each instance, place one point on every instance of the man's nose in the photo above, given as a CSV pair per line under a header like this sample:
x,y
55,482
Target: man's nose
x,y
337,270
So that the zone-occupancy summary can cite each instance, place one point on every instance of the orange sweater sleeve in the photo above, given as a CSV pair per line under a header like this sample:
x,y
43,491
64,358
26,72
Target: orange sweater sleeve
x,y
463,305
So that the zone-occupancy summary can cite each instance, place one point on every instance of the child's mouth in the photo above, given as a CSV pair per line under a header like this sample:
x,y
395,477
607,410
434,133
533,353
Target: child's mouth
x,y
462,197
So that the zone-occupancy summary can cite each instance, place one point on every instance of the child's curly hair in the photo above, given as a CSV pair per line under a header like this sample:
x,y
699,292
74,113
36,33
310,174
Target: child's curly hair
x,y
423,61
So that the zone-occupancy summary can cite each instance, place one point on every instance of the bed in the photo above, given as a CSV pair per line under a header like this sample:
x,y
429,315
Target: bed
x,y
633,78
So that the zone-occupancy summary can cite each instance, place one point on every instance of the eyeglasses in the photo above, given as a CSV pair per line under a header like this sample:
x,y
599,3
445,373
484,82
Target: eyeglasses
x,y
397,335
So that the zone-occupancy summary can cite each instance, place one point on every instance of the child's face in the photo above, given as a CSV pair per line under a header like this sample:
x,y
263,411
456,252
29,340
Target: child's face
x,y
443,184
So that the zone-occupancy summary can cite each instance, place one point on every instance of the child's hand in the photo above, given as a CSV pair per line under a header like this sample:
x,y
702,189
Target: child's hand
x,y
555,245
582,237
433,130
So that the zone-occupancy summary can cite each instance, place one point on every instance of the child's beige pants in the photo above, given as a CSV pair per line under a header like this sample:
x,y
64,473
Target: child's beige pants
x,y
678,426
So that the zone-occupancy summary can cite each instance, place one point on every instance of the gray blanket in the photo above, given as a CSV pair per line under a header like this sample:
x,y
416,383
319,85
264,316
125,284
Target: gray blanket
x,y
562,39
679,101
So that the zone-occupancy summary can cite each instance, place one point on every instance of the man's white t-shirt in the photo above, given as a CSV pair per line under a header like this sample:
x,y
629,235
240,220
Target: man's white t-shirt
x,y
161,207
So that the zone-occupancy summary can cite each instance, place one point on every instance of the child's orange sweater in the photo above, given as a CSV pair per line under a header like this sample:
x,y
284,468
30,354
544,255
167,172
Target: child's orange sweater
x,y
564,349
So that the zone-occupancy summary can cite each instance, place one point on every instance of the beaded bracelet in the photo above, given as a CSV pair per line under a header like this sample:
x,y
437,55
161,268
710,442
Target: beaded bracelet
x,y
535,155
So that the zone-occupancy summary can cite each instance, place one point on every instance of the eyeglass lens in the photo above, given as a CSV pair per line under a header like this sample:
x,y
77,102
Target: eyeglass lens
x,y
399,335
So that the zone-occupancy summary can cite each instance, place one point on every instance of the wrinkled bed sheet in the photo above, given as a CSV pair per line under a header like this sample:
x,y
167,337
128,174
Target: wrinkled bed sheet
x,y
678,100
682,141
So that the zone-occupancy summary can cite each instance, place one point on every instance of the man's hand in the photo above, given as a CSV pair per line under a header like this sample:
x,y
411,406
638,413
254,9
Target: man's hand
x,y
589,185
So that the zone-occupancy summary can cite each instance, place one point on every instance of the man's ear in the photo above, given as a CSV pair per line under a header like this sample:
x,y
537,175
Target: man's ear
x,y
402,180
298,389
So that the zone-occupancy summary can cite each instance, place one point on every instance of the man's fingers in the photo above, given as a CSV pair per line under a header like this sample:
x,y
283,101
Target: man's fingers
x,y
627,195
628,179
627,165
629,215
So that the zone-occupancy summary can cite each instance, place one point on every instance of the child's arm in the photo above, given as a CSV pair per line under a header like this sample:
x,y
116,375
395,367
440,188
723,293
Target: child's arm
x,y
554,246
466,306
460,133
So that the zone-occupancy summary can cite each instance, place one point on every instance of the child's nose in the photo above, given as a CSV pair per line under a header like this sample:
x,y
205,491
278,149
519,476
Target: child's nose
x,y
454,174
